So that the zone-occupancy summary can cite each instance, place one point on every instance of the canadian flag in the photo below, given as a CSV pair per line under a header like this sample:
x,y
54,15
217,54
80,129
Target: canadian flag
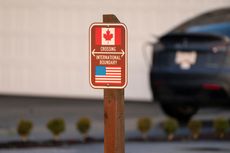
x,y
108,36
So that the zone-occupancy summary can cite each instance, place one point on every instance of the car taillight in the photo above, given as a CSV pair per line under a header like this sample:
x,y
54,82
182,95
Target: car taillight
x,y
219,48
209,86
158,83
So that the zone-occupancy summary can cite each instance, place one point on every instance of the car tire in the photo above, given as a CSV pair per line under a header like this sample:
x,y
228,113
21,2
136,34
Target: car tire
x,y
182,112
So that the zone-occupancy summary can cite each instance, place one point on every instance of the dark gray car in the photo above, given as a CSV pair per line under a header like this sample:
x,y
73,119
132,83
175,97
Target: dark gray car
x,y
191,65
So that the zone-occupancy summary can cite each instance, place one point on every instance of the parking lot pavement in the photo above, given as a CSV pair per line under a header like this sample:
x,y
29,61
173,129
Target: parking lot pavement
x,y
40,110
146,147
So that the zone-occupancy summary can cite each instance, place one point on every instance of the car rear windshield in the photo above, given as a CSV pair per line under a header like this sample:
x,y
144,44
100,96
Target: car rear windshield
x,y
212,22
218,28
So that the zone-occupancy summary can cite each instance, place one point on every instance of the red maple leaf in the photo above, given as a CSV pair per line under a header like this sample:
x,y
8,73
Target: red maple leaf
x,y
108,36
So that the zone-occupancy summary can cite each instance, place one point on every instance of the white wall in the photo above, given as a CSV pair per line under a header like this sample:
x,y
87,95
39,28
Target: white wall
x,y
44,43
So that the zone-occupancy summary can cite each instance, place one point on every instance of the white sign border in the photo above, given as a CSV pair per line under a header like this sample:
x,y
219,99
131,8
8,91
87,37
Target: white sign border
x,y
126,55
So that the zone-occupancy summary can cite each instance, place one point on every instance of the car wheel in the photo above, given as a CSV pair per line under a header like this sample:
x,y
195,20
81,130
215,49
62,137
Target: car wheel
x,y
182,112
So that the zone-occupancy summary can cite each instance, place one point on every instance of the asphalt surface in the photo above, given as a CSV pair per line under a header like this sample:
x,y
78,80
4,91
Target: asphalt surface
x,y
40,110
147,147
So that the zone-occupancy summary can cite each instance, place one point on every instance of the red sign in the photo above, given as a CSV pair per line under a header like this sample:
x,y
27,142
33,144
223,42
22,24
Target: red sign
x,y
108,55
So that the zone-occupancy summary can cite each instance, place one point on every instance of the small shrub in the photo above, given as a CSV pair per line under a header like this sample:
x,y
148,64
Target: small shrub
x,y
56,127
24,129
144,124
83,126
221,125
195,128
170,126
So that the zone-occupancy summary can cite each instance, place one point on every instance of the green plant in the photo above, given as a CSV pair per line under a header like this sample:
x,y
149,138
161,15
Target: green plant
x,y
221,125
170,126
144,124
83,125
24,129
195,128
56,127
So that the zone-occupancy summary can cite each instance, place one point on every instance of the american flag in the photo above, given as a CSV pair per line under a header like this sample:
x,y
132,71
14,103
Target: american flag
x,y
108,74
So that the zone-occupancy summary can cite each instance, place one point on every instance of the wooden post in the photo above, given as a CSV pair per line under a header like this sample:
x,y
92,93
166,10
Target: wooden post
x,y
114,135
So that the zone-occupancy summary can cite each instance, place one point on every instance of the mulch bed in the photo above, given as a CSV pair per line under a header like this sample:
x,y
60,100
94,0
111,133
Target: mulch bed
x,y
61,143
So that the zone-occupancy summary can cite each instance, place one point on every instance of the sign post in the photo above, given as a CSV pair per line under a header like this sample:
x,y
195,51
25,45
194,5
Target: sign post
x,y
108,71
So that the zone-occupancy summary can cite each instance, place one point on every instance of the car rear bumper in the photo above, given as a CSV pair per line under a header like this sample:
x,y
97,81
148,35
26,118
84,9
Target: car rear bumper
x,y
199,89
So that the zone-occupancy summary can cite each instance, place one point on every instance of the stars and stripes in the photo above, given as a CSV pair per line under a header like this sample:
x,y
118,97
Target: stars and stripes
x,y
108,74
